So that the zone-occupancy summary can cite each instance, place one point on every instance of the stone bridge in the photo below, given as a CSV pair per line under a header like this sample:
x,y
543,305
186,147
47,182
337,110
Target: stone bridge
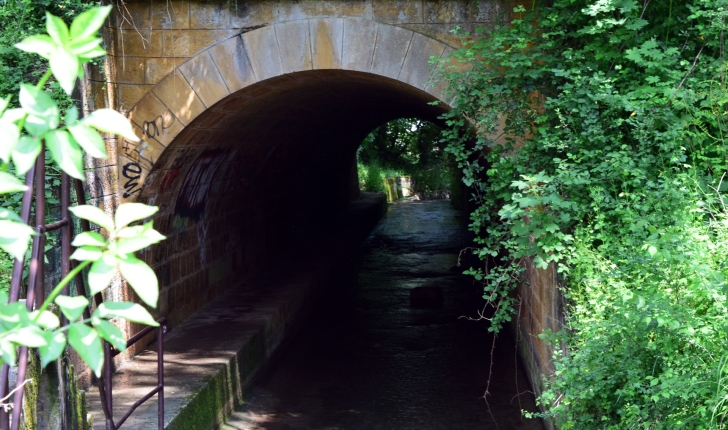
x,y
250,114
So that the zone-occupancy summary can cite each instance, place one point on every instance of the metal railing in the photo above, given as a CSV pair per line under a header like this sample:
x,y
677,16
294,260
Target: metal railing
x,y
105,387
35,295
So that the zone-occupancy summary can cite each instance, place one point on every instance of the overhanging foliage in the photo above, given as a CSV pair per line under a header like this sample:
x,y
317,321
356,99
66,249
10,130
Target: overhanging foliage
x,y
613,169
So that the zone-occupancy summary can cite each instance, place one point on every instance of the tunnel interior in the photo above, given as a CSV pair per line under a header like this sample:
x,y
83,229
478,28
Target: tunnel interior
x,y
264,174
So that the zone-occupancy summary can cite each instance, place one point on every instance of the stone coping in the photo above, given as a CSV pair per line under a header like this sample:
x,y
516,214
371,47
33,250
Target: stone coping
x,y
213,356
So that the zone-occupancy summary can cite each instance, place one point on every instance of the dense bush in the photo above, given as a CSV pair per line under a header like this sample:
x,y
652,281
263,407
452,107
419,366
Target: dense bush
x,y
406,147
614,170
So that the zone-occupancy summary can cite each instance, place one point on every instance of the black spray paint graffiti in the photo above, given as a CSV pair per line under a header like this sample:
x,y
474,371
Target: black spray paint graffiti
x,y
192,198
154,128
132,172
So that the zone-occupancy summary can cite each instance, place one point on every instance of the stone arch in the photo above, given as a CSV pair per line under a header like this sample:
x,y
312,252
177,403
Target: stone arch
x,y
263,56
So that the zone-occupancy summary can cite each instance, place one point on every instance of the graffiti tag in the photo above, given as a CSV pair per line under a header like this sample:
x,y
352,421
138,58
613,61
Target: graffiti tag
x,y
132,171
155,127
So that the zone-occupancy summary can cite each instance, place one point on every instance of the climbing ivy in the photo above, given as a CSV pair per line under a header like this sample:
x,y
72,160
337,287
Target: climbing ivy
x,y
592,136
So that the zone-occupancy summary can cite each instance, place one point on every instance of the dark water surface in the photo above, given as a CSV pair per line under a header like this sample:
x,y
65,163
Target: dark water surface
x,y
368,359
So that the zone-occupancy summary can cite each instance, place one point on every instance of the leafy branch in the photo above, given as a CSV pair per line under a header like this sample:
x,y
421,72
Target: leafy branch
x,y
24,132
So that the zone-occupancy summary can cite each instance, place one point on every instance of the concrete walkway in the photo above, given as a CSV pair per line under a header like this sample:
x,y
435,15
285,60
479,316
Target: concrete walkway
x,y
211,358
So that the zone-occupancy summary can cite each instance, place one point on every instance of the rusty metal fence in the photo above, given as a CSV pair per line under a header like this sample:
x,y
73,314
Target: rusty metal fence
x,y
10,418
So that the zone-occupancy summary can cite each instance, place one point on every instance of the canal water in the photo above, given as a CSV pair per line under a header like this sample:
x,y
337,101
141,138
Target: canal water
x,y
374,357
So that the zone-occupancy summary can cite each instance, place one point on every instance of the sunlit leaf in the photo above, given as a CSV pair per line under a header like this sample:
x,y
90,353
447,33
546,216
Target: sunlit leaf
x,y
10,184
40,44
89,22
100,275
90,55
81,46
111,121
14,237
127,213
111,334
71,117
87,343
57,29
43,112
91,238
55,345
93,214
72,307
25,154
30,336
66,152
7,349
90,140
65,68
129,311
142,279
86,253
9,136
47,319
144,239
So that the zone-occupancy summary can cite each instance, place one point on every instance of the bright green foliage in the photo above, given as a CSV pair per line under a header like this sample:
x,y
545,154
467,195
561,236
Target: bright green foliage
x,y
23,131
613,168
405,147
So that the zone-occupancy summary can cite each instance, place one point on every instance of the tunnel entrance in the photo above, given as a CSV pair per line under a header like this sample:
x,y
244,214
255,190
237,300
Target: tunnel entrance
x,y
265,172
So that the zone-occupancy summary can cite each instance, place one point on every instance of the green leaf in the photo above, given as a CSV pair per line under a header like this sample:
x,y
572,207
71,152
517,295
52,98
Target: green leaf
x,y
87,343
89,238
14,237
100,275
127,310
89,22
40,44
57,29
10,184
65,68
82,46
7,349
93,214
86,253
144,237
14,314
90,55
66,152
71,117
7,214
47,319
30,336
9,136
127,213
43,112
55,345
141,278
111,334
25,154
90,140
72,307
111,121
652,250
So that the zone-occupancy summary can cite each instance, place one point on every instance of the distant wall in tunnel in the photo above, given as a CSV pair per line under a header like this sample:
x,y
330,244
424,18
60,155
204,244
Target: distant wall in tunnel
x,y
250,114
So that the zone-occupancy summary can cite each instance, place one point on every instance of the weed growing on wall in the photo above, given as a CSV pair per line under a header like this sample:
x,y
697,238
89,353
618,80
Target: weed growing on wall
x,y
613,168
